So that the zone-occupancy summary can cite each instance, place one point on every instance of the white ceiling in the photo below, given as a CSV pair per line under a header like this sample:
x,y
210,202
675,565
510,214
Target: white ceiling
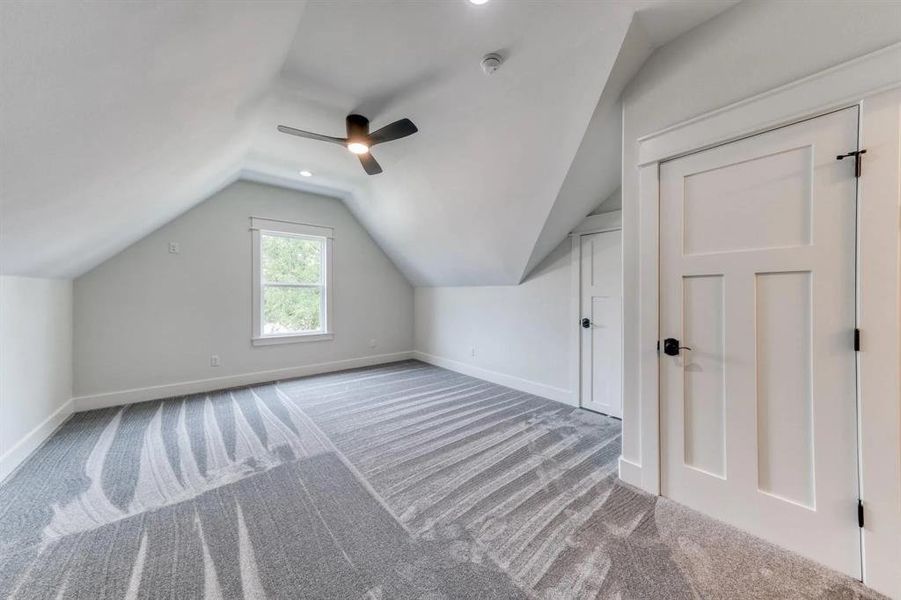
x,y
116,117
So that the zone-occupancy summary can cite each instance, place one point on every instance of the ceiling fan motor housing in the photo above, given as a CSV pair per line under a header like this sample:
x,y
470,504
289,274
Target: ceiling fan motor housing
x,y
357,128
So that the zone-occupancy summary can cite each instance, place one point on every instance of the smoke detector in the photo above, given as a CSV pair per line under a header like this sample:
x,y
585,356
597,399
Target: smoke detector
x,y
491,63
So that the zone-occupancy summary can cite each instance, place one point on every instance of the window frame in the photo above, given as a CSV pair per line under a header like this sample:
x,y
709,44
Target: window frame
x,y
260,227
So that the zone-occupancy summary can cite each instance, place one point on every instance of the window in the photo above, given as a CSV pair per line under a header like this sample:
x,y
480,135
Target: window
x,y
292,282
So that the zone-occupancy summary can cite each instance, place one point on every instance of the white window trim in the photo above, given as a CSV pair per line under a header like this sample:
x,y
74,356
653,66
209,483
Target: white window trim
x,y
300,230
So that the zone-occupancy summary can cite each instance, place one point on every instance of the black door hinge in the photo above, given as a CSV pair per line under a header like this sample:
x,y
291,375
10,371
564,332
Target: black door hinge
x,y
658,346
860,513
858,160
857,340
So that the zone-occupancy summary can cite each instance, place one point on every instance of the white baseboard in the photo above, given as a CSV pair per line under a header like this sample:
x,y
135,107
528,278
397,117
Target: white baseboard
x,y
157,392
630,472
510,381
16,455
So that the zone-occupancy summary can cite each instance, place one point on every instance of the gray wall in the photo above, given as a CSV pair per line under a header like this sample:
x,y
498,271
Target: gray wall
x,y
147,318
35,363
521,332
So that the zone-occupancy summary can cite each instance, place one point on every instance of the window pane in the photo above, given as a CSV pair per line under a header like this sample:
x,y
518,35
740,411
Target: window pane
x,y
291,310
291,259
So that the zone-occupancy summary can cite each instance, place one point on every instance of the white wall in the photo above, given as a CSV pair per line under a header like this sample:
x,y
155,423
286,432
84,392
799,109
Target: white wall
x,y
35,363
749,49
520,333
147,321
613,203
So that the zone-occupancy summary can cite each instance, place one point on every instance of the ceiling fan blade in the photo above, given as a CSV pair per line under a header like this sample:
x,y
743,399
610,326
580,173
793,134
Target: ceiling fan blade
x,y
370,165
311,135
393,131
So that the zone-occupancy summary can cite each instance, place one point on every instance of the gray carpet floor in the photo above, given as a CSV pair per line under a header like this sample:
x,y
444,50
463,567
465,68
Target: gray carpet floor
x,y
392,482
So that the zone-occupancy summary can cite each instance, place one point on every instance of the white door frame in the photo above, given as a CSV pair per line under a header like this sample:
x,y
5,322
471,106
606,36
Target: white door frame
x,y
602,223
863,82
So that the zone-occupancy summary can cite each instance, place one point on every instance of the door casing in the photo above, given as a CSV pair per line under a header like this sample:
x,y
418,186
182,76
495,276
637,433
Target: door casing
x,y
600,223
871,82
584,312
734,271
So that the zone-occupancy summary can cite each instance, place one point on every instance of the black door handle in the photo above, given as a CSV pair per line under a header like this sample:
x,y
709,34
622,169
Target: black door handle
x,y
586,323
671,347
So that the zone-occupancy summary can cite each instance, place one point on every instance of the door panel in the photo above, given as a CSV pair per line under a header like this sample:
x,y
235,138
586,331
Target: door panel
x,y
601,264
758,419
722,213
704,383
784,404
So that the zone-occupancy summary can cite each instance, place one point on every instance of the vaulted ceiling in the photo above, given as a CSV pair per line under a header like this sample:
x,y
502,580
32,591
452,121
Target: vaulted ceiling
x,y
117,117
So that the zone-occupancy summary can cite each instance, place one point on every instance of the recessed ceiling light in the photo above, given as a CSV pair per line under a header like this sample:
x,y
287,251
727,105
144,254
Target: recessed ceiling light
x,y
358,148
305,174
477,2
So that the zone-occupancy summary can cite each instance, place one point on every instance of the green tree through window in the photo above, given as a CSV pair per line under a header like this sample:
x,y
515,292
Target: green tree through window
x,y
293,284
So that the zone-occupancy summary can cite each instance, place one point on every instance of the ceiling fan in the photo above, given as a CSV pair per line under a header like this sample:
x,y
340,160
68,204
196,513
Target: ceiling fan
x,y
359,140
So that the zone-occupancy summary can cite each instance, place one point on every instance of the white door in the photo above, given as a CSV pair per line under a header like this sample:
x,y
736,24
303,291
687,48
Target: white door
x,y
602,322
757,277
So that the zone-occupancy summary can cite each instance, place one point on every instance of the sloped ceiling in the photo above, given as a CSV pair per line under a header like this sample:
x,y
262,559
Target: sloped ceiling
x,y
117,117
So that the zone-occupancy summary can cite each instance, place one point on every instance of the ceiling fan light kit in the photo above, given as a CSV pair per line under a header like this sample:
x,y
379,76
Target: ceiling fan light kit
x,y
359,140
357,147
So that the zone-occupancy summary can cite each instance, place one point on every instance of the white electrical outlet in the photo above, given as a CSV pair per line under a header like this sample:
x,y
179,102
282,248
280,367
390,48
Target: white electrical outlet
x,y
174,248
214,360
372,343
472,351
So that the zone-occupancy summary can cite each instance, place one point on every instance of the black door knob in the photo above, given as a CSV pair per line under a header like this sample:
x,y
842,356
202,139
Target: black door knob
x,y
586,322
671,347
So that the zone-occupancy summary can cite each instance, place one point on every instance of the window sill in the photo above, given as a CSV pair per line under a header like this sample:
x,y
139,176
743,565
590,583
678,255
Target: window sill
x,y
271,340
